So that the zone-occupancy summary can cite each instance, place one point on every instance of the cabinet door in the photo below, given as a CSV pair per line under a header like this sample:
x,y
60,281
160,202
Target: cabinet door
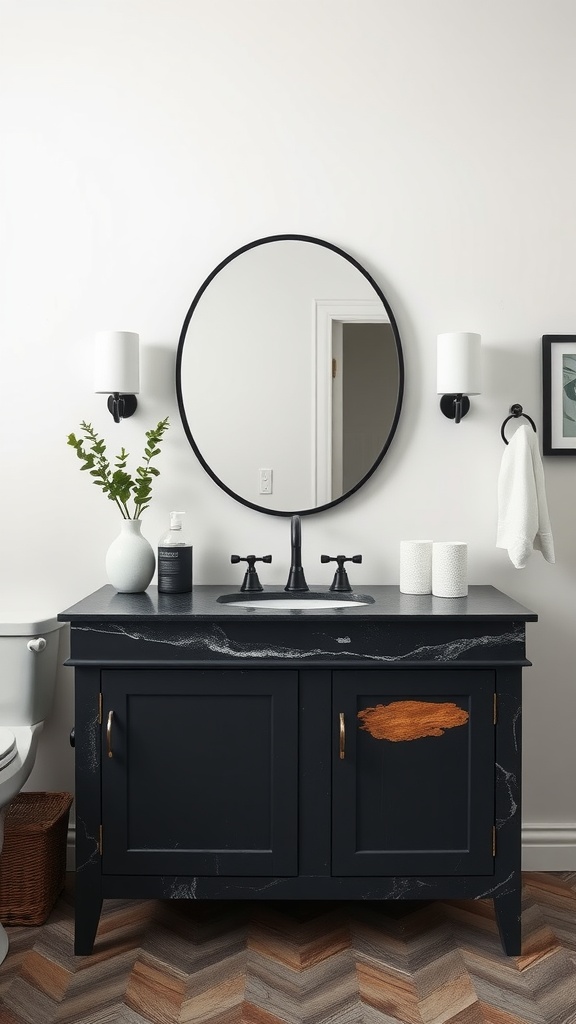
x,y
203,774
414,791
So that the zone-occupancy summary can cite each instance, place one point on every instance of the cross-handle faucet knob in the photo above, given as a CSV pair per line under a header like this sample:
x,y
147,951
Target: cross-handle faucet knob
x,y
341,583
251,582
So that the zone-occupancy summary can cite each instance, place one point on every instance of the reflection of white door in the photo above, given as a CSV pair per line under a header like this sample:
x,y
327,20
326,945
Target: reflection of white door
x,y
337,417
328,452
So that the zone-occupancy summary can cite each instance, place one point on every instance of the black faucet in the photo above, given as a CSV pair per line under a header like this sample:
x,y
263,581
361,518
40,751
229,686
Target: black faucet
x,y
296,579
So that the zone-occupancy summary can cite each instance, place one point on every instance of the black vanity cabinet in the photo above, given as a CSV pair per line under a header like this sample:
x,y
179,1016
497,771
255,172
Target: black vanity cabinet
x,y
371,752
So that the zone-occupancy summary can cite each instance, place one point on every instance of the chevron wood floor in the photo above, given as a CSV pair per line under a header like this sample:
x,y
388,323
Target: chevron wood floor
x,y
263,963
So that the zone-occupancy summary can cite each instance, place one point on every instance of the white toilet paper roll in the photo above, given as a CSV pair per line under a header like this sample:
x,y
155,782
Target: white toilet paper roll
x,y
416,566
450,568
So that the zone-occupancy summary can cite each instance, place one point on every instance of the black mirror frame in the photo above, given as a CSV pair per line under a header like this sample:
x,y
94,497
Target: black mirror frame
x,y
184,419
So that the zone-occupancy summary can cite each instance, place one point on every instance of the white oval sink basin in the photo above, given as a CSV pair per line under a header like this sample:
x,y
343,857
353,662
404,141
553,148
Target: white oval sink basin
x,y
310,601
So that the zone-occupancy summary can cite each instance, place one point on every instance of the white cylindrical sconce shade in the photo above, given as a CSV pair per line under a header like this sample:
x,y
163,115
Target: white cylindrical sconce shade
x,y
459,364
116,363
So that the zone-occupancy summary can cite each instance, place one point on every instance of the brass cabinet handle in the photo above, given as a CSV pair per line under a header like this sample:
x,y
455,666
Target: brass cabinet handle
x,y
109,733
342,736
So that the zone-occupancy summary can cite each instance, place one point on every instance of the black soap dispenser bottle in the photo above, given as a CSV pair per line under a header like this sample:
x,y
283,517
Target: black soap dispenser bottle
x,y
175,558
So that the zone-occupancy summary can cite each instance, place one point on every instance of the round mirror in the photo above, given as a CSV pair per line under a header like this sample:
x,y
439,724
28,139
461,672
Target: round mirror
x,y
289,375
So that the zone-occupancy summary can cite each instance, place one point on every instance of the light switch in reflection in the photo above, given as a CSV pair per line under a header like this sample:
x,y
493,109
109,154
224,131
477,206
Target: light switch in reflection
x,y
265,481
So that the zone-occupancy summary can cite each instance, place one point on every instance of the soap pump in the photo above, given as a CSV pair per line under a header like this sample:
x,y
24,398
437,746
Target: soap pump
x,y
175,558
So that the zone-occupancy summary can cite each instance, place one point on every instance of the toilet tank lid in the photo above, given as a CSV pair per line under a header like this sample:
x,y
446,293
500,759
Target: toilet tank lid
x,y
16,622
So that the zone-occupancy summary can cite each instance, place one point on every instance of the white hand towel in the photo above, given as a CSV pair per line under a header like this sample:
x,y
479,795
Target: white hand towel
x,y
523,521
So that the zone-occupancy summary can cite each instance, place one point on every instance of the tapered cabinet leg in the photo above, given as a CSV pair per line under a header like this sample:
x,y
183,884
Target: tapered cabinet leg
x,y
88,905
508,909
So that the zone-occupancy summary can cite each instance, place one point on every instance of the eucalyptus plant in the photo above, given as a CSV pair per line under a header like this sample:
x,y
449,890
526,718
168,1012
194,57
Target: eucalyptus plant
x,y
115,481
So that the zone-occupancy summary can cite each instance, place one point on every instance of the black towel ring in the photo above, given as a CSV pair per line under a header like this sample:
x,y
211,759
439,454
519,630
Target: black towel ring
x,y
515,412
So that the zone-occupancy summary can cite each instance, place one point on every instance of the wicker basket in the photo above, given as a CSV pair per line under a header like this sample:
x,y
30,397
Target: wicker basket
x,y
33,858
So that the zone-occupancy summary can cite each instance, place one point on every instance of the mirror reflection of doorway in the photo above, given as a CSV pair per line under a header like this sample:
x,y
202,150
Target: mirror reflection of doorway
x,y
355,393
363,398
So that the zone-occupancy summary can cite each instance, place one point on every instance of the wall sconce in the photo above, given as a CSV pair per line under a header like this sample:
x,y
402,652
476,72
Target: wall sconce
x,y
459,372
117,371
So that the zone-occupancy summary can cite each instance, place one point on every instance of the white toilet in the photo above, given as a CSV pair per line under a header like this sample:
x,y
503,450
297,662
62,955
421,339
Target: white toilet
x,y
28,663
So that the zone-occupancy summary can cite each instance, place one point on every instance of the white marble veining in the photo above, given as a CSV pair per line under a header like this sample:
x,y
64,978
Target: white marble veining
x,y
81,827
90,761
515,725
215,640
509,780
495,888
177,890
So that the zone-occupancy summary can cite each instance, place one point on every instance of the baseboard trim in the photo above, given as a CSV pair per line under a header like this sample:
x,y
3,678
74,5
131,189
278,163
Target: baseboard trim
x,y
549,847
545,847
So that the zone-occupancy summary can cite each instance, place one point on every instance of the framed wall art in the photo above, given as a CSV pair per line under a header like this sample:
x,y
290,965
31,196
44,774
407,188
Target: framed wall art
x,y
559,394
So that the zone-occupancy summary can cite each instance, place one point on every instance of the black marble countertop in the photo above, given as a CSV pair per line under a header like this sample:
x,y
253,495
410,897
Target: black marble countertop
x,y
106,604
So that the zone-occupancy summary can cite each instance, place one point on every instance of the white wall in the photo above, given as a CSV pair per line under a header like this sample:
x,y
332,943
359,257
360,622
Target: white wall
x,y
144,140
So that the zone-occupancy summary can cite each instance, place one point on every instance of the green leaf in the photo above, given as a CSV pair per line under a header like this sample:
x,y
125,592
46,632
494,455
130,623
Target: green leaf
x,y
118,485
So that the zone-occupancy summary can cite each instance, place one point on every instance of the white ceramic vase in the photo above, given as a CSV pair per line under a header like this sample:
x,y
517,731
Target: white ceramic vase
x,y
130,560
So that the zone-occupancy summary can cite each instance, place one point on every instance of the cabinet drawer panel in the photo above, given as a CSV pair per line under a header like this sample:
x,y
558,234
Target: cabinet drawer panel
x,y
203,777
414,792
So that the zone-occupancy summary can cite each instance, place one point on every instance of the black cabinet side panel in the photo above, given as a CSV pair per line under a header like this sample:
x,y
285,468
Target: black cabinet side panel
x,y
88,891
